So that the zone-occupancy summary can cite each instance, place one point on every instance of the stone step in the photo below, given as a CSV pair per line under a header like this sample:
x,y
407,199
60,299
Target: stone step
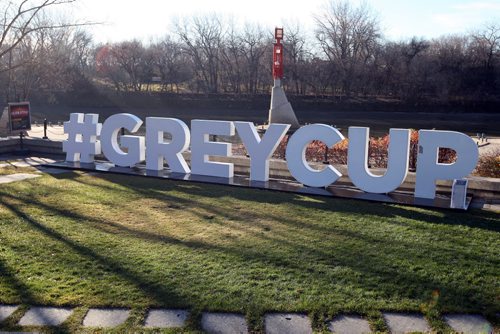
x,y
223,323
399,323
290,323
45,316
468,323
349,324
105,317
163,318
6,311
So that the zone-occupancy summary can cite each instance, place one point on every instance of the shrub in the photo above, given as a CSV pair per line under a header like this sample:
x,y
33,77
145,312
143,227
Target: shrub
x,y
489,164
315,152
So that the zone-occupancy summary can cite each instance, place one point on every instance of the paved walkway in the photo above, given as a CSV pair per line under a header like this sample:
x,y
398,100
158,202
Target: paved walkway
x,y
232,323
13,161
16,177
7,160
492,145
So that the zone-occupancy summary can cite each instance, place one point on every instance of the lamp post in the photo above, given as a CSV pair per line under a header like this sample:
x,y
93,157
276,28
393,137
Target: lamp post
x,y
45,129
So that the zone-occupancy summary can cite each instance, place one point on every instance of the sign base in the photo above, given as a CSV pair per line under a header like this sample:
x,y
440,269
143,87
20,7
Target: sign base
x,y
396,197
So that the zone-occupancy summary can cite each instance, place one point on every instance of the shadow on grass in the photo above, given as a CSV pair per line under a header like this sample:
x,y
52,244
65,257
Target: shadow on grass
x,y
382,266
156,292
473,218
190,203
376,265
8,275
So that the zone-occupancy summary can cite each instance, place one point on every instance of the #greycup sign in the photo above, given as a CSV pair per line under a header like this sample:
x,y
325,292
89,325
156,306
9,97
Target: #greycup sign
x,y
84,129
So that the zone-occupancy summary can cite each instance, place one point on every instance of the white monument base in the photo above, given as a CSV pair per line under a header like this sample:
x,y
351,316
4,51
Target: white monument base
x,y
281,110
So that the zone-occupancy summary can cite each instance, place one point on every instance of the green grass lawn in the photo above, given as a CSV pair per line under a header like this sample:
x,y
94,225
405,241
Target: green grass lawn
x,y
109,240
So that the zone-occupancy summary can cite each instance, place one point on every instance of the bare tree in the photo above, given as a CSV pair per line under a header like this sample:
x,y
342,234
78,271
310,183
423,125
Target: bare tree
x,y
82,50
347,35
319,75
255,45
203,39
22,18
232,58
166,60
107,67
129,55
296,56
23,40
448,56
487,44
413,74
52,61
20,79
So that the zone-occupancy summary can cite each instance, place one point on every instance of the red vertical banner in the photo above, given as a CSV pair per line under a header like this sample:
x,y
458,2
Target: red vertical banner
x,y
19,116
278,61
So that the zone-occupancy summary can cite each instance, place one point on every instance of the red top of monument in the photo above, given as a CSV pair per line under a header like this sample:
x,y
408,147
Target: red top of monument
x,y
278,54
278,33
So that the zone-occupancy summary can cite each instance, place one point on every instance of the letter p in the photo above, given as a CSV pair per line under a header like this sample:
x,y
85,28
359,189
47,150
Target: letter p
x,y
428,168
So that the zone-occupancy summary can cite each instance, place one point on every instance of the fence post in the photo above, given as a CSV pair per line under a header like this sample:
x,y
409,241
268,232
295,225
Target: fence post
x,y
45,129
325,159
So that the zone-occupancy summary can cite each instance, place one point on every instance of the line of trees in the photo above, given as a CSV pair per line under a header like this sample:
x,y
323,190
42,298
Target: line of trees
x,y
39,53
346,57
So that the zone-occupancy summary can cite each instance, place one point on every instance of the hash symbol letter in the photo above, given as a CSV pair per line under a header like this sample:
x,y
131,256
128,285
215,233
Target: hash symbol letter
x,y
82,143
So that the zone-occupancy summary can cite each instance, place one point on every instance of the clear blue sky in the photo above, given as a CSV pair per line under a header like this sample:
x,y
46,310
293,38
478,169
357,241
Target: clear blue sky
x,y
127,19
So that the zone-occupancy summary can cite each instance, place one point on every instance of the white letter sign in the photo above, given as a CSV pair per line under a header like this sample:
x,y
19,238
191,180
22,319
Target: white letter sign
x,y
397,164
260,150
82,143
109,140
296,155
84,130
202,148
158,150
428,168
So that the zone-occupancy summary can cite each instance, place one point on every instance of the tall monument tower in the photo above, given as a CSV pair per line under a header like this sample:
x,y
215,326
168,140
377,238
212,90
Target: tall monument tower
x,y
281,110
